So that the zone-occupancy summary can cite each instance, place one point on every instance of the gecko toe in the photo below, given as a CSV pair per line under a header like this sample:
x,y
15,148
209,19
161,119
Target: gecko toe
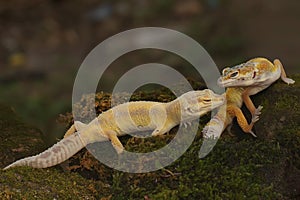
x,y
288,81
258,110
255,118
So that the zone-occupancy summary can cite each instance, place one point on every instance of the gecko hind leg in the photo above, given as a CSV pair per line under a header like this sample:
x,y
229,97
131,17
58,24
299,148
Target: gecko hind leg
x,y
283,74
77,126
70,131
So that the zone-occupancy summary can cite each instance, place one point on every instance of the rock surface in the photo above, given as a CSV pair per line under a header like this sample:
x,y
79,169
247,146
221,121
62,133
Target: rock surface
x,y
239,167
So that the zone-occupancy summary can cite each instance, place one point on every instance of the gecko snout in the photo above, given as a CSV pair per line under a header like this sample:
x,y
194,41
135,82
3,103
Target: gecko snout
x,y
219,99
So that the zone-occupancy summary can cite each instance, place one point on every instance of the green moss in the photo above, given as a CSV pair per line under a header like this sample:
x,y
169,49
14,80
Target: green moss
x,y
17,138
27,183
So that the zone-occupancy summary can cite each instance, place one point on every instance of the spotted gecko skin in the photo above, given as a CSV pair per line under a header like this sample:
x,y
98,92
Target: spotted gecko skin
x,y
242,81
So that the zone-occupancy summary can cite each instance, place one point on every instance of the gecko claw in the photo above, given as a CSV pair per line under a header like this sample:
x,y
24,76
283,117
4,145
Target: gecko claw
x,y
187,124
251,132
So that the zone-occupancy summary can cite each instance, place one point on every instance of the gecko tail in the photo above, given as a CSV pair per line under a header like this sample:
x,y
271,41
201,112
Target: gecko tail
x,y
56,154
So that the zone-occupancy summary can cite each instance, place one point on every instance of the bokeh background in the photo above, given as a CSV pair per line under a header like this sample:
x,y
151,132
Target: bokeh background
x,y
42,43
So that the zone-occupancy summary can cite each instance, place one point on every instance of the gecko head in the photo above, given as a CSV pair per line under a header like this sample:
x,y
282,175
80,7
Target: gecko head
x,y
244,74
197,103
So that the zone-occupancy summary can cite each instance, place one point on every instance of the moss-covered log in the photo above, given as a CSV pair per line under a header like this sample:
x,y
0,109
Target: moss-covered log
x,y
239,167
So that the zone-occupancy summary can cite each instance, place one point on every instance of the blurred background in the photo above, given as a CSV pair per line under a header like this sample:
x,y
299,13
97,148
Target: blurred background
x,y
42,43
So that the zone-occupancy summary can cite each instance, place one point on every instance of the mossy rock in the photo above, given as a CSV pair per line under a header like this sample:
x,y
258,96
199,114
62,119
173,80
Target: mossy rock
x,y
281,112
19,140
240,167
28,183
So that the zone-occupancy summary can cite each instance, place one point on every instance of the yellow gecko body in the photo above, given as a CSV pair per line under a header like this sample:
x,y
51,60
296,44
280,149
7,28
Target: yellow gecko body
x,y
227,112
125,119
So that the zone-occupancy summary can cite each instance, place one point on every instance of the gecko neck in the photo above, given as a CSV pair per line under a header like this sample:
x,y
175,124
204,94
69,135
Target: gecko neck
x,y
234,95
173,110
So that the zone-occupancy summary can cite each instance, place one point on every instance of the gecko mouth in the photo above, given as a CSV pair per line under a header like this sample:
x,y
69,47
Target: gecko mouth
x,y
241,82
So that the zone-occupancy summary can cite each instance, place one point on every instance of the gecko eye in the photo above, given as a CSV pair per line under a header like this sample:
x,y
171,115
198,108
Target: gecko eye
x,y
206,100
234,74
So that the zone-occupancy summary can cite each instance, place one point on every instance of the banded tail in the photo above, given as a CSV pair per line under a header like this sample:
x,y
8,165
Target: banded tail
x,y
56,154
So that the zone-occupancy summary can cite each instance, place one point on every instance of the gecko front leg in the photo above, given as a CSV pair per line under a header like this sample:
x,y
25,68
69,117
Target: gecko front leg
x,y
255,112
116,143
